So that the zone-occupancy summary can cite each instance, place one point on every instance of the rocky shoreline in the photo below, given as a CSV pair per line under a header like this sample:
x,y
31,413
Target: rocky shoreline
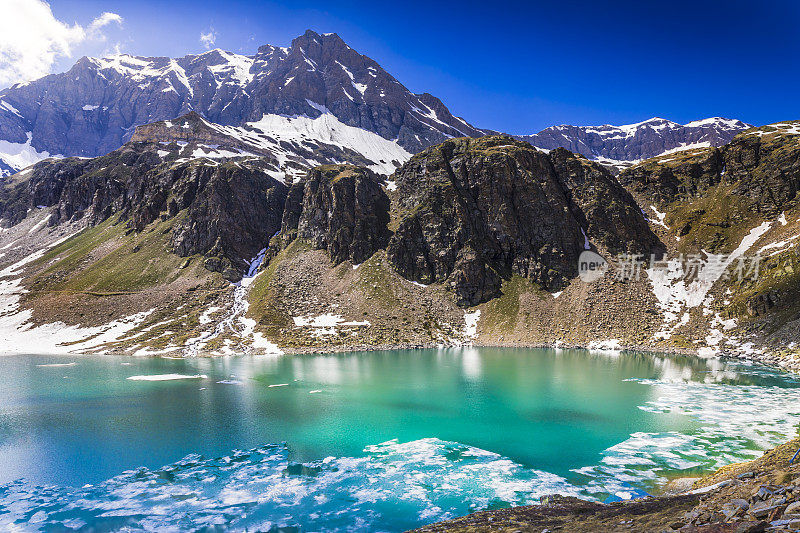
x,y
771,359
757,496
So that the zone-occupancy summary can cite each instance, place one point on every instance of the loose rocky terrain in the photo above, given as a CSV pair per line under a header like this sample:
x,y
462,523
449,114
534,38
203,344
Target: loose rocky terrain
x,y
762,495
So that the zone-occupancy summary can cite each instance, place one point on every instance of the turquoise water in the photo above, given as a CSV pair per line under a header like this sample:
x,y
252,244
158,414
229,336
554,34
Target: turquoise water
x,y
367,441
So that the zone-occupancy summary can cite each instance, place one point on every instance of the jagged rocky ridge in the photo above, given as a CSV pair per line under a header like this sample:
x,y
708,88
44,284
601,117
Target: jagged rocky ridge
x,y
490,224
224,208
95,107
764,166
470,213
474,212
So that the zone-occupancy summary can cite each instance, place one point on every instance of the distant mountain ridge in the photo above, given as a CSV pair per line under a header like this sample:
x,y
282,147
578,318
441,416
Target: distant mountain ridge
x,y
317,89
635,142
95,107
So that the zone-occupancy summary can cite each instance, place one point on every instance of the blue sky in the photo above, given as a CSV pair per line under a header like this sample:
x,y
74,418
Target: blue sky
x,y
515,67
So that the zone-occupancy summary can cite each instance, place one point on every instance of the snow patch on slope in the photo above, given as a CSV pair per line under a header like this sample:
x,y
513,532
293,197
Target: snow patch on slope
x,y
20,155
326,324
19,335
659,217
144,70
303,131
236,67
779,128
675,295
330,130
10,108
471,324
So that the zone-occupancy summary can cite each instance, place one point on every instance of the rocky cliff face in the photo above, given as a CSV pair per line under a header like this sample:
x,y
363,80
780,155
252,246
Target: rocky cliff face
x,y
739,201
338,208
762,165
766,163
231,210
225,210
77,187
636,142
473,212
94,107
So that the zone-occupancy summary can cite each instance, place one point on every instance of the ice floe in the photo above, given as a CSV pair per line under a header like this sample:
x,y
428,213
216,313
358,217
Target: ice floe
x,y
167,377
392,486
726,429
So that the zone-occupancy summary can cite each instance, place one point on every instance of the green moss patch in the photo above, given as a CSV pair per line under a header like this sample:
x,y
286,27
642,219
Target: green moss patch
x,y
265,307
716,222
501,313
110,259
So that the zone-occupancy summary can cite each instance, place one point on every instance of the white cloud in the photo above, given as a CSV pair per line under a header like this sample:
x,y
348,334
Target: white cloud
x,y
32,39
208,39
114,50
100,22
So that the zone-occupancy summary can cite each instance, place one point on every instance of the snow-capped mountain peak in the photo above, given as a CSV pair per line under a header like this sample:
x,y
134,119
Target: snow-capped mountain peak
x,y
95,106
719,123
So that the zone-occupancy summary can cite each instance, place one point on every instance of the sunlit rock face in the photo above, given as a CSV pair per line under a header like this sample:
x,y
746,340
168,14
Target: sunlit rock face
x,y
476,211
